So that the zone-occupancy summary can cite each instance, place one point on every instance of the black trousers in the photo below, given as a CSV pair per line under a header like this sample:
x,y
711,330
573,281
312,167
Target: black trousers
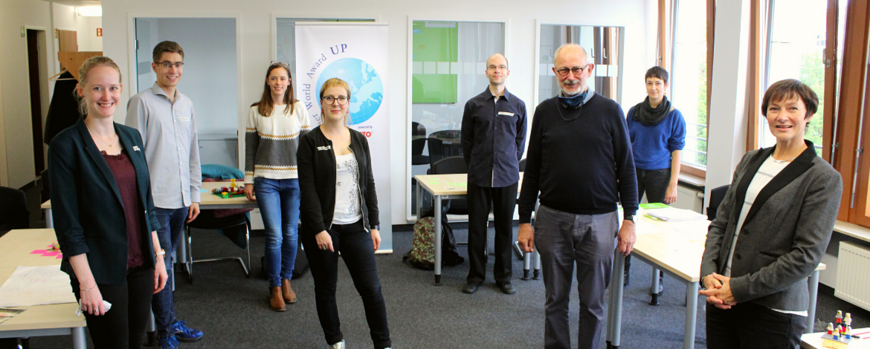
x,y
123,326
502,201
357,249
749,325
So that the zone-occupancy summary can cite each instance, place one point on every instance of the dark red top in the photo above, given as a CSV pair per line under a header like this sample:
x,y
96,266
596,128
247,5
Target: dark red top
x,y
125,177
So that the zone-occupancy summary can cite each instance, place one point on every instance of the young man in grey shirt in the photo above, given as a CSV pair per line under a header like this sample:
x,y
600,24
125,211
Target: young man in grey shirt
x,y
165,119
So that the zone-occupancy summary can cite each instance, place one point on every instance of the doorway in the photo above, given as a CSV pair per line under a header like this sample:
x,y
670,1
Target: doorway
x,y
37,76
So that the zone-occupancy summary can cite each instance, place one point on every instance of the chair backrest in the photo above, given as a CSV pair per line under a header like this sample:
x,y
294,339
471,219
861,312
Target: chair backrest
x,y
417,146
435,152
13,210
716,196
523,165
453,164
417,129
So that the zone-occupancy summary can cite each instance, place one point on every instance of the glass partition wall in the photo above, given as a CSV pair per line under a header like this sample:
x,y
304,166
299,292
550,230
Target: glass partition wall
x,y
448,64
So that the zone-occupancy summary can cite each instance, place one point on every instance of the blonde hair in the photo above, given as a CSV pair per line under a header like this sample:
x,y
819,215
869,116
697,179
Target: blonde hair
x,y
86,67
336,82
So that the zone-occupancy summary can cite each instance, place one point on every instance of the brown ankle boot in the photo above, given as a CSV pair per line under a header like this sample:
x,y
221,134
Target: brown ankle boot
x,y
276,300
289,295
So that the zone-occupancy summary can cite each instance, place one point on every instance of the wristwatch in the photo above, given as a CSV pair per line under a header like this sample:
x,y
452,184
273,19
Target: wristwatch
x,y
162,252
630,218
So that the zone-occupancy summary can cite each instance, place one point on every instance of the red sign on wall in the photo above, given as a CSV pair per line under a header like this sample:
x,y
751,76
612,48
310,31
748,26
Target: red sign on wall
x,y
99,32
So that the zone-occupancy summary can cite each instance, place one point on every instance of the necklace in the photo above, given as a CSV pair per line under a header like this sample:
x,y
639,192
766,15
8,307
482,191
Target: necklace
x,y
110,145
570,117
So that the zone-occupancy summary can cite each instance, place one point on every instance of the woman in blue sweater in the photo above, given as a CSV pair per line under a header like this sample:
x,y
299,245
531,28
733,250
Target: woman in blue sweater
x,y
658,135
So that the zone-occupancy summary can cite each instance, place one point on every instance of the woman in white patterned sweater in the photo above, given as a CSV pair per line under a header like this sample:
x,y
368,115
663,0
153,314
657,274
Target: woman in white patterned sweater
x,y
275,124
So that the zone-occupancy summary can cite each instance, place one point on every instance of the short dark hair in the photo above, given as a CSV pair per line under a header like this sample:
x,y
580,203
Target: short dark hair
x,y
657,72
166,46
787,89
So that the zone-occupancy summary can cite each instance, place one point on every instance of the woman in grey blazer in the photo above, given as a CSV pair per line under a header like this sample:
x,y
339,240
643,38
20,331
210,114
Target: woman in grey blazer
x,y
770,232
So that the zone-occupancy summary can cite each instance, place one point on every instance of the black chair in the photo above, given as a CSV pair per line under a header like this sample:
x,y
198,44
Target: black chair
x,y
716,196
231,222
435,152
418,142
13,210
450,142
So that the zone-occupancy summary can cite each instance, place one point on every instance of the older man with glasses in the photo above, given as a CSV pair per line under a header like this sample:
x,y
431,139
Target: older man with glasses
x,y
580,161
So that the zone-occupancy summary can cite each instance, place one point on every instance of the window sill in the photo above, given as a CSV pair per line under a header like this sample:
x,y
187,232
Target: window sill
x,y
693,182
853,230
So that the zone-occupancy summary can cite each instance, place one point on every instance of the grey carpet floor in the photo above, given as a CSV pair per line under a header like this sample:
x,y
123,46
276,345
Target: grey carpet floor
x,y
233,311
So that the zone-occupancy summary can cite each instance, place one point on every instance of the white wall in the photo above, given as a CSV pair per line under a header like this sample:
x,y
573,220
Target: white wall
x,y
521,18
65,18
16,165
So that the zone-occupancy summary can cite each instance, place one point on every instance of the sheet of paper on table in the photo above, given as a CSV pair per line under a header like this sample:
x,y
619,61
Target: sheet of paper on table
x,y
8,313
675,214
36,286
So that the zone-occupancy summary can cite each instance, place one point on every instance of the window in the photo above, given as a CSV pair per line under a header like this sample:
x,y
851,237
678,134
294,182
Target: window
x,y
795,50
689,76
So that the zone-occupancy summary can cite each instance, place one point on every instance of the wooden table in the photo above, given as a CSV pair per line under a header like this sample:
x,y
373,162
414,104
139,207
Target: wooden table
x,y
442,187
677,249
814,340
37,320
209,201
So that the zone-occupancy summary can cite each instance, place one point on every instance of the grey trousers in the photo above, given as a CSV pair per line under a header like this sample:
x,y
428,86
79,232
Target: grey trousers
x,y
562,239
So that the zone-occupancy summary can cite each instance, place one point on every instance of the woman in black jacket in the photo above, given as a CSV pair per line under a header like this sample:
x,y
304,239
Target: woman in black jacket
x,y
340,214
103,213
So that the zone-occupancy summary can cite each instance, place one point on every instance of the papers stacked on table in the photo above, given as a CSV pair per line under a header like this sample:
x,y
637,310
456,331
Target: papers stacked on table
x,y
675,214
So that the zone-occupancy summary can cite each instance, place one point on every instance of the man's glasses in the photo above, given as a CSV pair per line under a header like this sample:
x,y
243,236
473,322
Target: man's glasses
x,y
500,67
342,100
563,72
168,64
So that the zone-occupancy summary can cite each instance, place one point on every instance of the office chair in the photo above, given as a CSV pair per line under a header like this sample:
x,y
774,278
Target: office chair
x,y
716,197
418,142
13,210
227,221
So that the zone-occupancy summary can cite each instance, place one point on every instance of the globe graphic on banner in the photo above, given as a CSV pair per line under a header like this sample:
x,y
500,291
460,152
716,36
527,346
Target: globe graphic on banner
x,y
366,87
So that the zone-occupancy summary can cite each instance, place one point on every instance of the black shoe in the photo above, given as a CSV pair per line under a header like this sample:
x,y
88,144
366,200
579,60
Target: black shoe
x,y
470,287
506,287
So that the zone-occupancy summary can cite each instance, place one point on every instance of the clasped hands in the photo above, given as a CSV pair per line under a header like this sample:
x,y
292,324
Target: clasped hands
x,y
718,291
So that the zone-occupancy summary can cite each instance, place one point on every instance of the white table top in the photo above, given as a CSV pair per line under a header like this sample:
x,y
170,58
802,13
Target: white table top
x,y
15,248
814,340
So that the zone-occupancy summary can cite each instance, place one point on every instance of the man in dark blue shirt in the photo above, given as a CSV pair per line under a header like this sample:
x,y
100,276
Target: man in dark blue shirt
x,y
580,160
493,141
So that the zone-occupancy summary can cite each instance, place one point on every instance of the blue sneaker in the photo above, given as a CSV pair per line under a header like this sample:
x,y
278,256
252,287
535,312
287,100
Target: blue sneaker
x,y
168,342
184,333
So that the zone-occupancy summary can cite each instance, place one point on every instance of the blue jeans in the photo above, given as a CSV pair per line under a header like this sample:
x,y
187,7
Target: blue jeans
x,y
278,200
169,234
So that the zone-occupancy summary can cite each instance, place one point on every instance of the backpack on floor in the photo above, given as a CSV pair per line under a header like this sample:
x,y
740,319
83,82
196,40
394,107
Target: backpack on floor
x,y
422,254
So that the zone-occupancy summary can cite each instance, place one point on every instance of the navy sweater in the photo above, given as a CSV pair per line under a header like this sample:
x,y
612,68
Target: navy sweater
x,y
582,165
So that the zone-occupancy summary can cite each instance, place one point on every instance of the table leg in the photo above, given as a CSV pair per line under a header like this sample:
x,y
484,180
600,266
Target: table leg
x,y
78,337
527,264
814,294
654,288
419,199
614,308
691,314
437,240
49,221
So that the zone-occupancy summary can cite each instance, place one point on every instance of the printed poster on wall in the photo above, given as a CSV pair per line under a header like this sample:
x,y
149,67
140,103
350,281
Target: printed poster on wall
x,y
358,54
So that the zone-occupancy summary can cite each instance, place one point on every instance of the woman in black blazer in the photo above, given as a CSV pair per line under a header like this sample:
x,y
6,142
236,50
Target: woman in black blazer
x,y
340,214
770,232
103,213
